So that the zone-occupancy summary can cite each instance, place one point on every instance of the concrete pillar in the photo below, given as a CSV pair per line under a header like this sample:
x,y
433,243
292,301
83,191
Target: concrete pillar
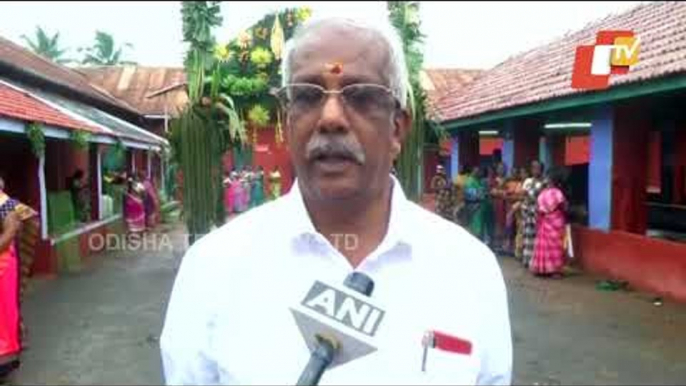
x,y
454,157
508,145
545,151
600,169
98,171
43,198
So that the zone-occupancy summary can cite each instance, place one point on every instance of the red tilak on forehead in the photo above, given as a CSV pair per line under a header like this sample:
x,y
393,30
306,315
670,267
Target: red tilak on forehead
x,y
335,68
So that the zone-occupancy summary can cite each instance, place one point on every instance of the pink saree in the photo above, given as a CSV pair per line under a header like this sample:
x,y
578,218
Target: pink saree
x,y
9,304
134,213
151,204
549,248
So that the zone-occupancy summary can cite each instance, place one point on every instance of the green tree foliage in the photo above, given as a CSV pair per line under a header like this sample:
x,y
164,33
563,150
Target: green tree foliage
x,y
404,15
250,68
208,125
104,51
46,46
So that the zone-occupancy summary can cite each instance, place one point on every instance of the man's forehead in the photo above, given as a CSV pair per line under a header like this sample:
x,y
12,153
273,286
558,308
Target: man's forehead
x,y
345,50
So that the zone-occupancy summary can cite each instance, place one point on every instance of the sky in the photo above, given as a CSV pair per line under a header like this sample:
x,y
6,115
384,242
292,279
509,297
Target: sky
x,y
458,34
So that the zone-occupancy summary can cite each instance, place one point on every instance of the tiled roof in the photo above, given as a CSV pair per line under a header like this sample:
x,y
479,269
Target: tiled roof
x,y
22,60
149,89
118,127
20,105
437,82
545,72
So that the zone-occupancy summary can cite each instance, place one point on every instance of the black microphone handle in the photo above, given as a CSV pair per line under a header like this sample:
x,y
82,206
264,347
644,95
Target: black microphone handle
x,y
320,359
325,350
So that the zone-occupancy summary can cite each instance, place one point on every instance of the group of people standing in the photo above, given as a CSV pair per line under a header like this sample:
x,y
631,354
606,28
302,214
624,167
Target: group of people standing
x,y
142,207
522,214
246,189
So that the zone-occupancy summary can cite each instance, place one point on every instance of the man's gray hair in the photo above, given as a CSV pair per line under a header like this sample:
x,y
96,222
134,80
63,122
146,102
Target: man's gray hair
x,y
397,67
2,184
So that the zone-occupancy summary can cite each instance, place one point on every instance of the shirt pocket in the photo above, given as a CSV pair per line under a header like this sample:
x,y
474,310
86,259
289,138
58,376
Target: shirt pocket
x,y
448,368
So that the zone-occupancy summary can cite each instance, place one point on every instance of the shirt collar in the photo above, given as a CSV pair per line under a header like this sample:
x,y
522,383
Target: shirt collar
x,y
398,232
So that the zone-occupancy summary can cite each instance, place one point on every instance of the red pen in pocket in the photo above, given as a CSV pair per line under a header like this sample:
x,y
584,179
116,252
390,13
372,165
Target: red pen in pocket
x,y
444,342
451,343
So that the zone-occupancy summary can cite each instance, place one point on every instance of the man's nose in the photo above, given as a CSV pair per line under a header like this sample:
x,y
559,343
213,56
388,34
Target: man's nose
x,y
333,117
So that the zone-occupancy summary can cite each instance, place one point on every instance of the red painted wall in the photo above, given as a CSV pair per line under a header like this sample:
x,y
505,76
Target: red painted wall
x,y
680,166
655,162
558,148
630,170
488,145
269,154
19,168
652,265
62,159
468,143
526,142
577,150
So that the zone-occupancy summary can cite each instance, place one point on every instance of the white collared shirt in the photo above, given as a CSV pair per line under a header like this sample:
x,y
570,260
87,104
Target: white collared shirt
x,y
229,318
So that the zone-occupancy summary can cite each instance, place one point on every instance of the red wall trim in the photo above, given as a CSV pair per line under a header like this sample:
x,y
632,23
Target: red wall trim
x,y
648,264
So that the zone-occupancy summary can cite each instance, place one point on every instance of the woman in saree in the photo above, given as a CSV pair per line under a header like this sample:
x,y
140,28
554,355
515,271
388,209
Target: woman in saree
x,y
12,213
460,212
548,259
475,194
275,184
257,190
532,188
151,202
511,191
516,214
134,207
239,193
229,193
498,193
441,187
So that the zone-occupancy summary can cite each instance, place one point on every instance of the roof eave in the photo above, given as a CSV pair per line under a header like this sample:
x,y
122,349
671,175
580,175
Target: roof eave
x,y
42,81
632,90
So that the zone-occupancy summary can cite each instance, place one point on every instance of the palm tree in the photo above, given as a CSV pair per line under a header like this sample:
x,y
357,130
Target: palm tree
x,y
46,46
104,52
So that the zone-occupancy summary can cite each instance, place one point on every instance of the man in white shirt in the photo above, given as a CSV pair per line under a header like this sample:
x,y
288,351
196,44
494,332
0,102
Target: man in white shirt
x,y
229,319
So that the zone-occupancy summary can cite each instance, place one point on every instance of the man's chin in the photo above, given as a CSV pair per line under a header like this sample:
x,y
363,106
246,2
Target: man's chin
x,y
337,189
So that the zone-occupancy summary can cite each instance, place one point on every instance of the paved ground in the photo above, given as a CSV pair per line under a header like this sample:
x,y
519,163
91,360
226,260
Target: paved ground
x,y
101,327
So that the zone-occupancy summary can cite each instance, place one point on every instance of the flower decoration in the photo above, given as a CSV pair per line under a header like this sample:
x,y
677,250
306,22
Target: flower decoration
x,y
303,14
258,115
263,76
261,57
261,33
222,53
244,39
277,40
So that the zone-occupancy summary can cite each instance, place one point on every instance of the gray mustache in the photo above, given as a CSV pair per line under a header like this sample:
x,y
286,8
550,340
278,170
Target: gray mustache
x,y
338,146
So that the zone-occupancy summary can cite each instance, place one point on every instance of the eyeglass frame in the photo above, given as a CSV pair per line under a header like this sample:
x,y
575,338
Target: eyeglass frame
x,y
326,92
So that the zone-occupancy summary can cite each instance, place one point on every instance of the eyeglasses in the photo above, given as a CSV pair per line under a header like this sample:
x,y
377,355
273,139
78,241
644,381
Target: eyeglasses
x,y
363,98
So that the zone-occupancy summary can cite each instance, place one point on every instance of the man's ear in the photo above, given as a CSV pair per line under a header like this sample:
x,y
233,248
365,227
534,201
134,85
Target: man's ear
x,y
285,126
402,124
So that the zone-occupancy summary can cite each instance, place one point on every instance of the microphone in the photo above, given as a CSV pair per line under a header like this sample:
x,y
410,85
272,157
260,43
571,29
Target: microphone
x,y
337,323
